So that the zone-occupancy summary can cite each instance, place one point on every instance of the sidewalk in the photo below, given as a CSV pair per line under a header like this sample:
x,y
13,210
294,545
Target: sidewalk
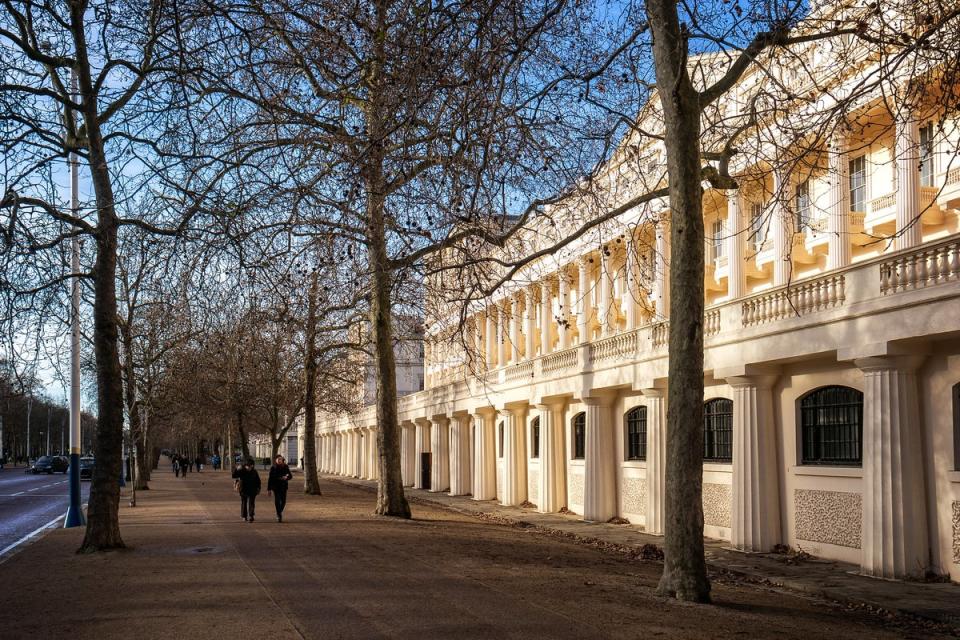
x,y
837,581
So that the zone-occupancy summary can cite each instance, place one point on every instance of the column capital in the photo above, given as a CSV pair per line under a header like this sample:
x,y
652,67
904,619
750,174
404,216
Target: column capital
x,y
757,381
422,422
598,400
887,363
654,392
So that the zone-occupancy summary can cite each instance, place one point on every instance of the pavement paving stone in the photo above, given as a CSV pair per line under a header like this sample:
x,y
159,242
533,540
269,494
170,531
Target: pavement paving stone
x,y
837,581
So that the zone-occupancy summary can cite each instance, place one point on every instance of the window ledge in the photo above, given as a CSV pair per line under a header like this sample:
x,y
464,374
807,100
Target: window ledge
x,y
827,470
718,466
953,476
634,464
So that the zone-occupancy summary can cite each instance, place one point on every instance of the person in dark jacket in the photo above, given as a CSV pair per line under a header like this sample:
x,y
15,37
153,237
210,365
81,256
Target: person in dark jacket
x,y
280,475
249,485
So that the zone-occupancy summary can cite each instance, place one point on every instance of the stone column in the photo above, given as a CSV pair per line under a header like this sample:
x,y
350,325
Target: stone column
x,y
501,336
631,290
338,455
908,181
553,481
357,453
736,230
599,469
373,469
838,247
781,229
490,335
423,446
895,541
529,322
439,445
485,458
583,293
656,401
545,317
755,522
563,295
514,458
515,329
606,293
661,270
408,454
459,455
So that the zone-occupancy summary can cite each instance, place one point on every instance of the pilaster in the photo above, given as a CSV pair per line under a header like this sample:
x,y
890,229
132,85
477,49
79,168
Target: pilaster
x,y
485,460
423,446
529,321
459,455
781,229
908,180
661,265
656,401
553,481
439,447
895,541
583,293
408,453
599,491
736,280
545,318
563,293
838,247
755,522
514,458
515,329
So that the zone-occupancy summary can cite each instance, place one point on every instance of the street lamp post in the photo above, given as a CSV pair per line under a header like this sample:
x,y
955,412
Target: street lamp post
x,y
29,416
74,517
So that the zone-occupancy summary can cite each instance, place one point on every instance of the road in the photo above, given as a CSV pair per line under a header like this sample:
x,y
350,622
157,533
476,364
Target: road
x,y
29,501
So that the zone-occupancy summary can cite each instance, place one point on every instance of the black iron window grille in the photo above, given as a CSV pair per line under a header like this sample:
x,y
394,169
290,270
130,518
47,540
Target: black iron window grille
x,y
718,430
535,438
831,425
579,436
637,434
500,440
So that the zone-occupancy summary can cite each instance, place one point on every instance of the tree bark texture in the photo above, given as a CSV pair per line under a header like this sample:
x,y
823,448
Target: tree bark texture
x,y
684,570
103,510
311,483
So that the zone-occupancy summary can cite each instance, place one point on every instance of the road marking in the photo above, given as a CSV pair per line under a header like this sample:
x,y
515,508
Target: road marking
x,y
35,489
20,493
3,552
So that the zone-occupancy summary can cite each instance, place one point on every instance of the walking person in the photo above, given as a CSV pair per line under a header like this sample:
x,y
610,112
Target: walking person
x,y
247,483
280,475
176,465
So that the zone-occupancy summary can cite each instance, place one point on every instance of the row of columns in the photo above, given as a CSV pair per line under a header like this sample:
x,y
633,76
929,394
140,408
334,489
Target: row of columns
x,y
463,461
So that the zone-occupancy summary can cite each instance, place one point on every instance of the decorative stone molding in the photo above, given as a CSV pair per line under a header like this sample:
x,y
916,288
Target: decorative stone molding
x,y
634,495
717,500
832,517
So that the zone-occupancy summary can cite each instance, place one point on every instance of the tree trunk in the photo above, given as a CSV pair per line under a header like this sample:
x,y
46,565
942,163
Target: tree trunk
x,y
391,500
311,482
244,445
684,568
103,510
133,407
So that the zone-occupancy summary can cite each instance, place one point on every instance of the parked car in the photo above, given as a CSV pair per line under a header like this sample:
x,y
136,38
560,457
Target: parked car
x,y
50,464
86,468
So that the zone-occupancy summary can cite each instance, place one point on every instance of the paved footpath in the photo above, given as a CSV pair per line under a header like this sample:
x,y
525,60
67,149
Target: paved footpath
x,y
333,570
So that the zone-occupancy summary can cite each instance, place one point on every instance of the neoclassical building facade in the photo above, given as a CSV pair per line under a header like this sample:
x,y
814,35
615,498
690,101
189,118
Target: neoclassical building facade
x,y
832,359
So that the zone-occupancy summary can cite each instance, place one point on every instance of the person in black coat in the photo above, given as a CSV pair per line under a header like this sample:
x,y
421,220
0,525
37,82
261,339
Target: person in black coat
x,y
280,475
248,483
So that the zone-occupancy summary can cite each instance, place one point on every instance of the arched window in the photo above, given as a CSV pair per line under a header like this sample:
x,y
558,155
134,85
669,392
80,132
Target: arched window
x,y
831,426
500,439
718,430
535,437
579,436
636,448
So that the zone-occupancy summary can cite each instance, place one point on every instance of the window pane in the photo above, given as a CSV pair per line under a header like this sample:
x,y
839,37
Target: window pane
x,y
637,434
718,430
858,184
831,423
579,436
926,155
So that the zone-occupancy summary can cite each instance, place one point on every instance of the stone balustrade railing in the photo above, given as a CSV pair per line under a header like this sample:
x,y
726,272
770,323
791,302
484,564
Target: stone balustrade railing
x,y
921,268
885,201
519,371
711,322
560,361
953,176
794,300
660,334
618,347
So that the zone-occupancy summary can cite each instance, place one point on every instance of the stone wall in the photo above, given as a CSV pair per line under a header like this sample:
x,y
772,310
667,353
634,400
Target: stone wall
x,y
717,503
533,485
634,495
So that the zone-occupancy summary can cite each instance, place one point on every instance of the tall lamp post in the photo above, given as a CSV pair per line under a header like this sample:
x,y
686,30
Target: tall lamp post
x,y
74,517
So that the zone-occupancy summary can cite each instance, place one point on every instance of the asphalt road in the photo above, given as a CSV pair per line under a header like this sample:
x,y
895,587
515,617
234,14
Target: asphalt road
x,y
28,502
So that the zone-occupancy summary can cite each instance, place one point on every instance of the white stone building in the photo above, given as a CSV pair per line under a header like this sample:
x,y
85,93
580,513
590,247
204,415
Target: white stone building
x,y
832,355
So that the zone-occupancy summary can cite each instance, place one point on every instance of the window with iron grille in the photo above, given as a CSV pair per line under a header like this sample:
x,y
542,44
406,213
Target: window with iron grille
x,y
535,437
926,155
758,230
858,184
718,430
802,205
637,433
579,436
500,440
831,426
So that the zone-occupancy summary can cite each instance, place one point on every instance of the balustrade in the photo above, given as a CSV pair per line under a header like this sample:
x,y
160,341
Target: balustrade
x,y
660,334
616,347
921,268
796,300
711,322
560,361
520,371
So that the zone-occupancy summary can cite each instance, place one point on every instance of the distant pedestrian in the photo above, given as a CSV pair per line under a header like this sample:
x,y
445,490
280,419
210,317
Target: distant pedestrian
x,y
247,483
199,463
280,475
176,466
184,467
